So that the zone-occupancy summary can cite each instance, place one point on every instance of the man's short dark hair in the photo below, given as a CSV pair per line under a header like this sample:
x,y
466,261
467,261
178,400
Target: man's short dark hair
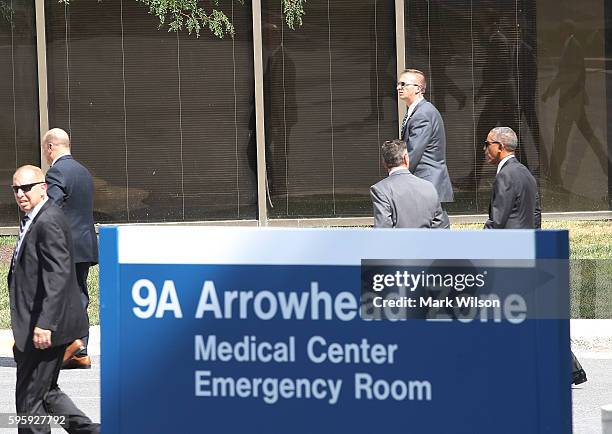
x,y
393,152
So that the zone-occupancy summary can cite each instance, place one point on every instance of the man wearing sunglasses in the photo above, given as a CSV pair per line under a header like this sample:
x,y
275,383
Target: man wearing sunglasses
x,y
514,199
71,188
423,132
46,310
515,203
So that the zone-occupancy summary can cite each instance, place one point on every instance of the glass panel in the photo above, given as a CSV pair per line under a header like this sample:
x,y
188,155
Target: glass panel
x,y
573,109
538,69
330,102
19,135
160,119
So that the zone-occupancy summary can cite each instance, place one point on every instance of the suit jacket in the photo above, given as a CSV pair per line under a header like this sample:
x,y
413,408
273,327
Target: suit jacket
x,y
43,288
426,140
404,201
70,186
514,199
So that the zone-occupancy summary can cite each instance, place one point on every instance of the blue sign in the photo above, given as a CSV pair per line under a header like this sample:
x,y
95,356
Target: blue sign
x,y
246,330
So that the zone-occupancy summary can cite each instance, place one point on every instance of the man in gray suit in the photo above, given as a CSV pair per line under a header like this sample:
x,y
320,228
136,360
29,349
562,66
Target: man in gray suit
x,y
402,200
514,199
423,132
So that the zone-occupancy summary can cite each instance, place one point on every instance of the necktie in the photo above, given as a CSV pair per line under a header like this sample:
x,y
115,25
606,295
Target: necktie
x,y
404,123
22,227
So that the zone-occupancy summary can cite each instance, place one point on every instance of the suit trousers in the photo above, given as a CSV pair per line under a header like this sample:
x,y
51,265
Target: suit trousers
x,y
82,271
37,392
576,366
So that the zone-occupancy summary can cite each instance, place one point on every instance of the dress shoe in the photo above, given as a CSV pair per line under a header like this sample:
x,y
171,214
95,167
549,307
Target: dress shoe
x,y
77,362
73,348
579,377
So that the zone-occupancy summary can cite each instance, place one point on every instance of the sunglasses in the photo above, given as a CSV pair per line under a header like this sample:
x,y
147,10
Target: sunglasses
x,y
487,143
404,84
25,187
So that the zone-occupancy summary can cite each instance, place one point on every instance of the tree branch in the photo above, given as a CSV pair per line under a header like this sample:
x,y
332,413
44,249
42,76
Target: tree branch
x,y
188,14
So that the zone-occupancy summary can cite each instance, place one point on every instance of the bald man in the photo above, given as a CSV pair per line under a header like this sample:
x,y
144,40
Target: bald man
x,y
70,187
47,315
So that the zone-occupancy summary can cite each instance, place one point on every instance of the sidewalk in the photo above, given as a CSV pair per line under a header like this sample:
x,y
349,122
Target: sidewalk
x,y
591,338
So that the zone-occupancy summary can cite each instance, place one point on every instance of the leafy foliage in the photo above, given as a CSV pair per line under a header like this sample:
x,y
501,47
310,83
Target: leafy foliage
x,y
6,14
192,16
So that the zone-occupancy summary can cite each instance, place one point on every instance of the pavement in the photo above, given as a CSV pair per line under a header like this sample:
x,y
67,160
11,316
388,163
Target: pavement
x,y
81,385
591,342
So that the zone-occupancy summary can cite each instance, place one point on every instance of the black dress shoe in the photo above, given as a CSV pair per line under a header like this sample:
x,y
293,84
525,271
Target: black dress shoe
x,y
579,377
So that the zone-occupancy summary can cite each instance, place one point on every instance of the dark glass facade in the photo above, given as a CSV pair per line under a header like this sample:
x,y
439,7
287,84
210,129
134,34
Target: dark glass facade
x,y
537,67
166,123
330,101
19,136
160,119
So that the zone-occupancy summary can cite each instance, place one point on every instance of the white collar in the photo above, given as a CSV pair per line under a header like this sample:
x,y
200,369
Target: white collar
x,y
412,106
34,211
396,168
58,157
502,162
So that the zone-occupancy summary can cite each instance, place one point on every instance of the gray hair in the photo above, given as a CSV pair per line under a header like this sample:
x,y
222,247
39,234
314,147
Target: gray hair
x,y
506,136
393,152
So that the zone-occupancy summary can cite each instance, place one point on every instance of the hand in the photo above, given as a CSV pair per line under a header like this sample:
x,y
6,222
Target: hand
x,y
41,338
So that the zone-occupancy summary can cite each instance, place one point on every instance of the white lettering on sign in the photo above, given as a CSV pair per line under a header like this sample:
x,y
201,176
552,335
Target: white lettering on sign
x,y
319,351
266,305
150,304
269,389
399,390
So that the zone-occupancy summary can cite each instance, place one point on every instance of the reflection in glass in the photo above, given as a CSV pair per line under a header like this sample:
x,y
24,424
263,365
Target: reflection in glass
x,y
159,118
498,53
19,136
497,91
329,102
569,82
573,79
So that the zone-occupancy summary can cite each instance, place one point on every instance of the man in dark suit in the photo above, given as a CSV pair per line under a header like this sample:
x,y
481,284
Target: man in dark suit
x,y
402,200
515,202
46,310
423,132
70,186
514,199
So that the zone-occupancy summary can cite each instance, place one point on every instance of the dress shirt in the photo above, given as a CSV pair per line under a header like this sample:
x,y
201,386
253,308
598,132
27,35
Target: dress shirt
x,y
31,215
502,162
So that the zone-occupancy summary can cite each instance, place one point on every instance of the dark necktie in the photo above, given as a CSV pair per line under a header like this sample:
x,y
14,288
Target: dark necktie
x,y
404,123
22,227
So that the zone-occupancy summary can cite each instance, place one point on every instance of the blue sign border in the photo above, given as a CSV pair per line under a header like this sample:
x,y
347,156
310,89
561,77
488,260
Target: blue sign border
x,y
551,382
